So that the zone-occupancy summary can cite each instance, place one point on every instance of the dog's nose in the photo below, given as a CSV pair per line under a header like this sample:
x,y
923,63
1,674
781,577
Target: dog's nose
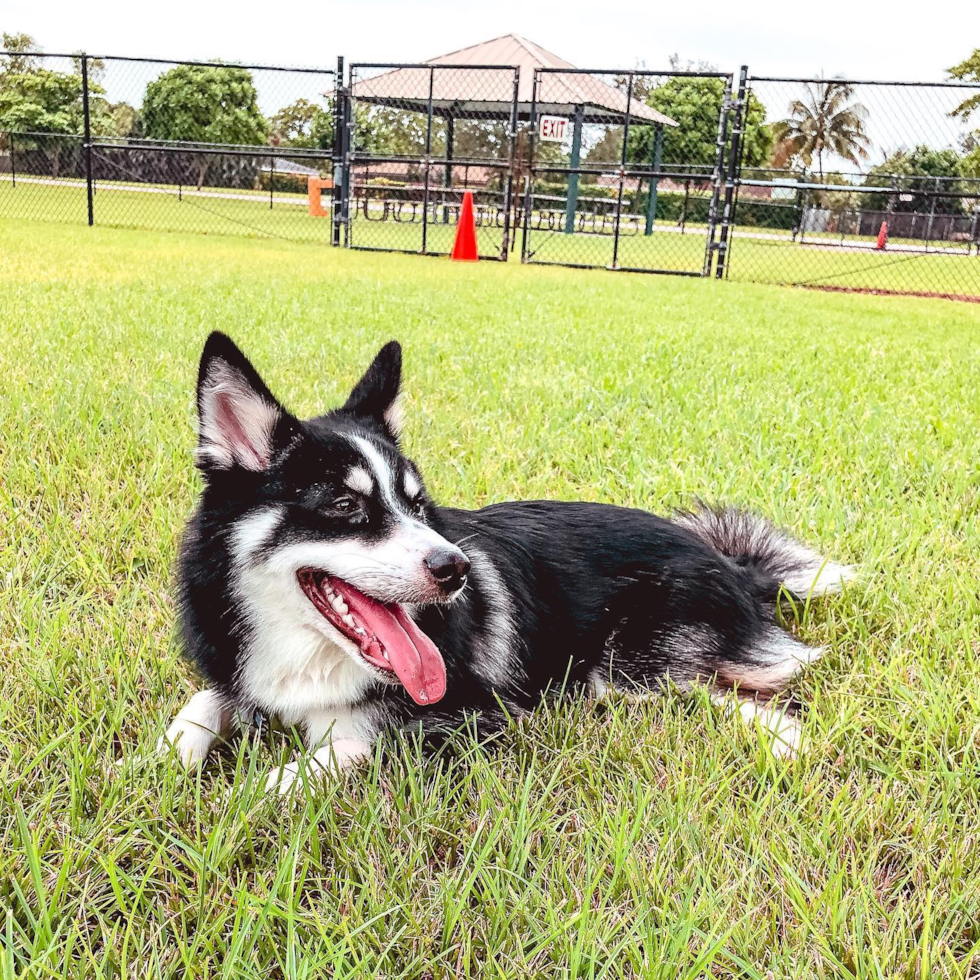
x,y
448,568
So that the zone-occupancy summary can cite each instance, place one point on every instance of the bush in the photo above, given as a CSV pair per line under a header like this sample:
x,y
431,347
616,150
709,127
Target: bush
x,y
284,183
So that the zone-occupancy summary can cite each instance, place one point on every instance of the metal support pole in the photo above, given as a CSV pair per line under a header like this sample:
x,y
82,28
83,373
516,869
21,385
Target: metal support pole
x,y
975,230
932,213
348,131
687,195
87,130
272,178
428,161
505,243
798,218
447,181
13,163
622,171
718,176
733,174
571,204
656,161
529,178
337,154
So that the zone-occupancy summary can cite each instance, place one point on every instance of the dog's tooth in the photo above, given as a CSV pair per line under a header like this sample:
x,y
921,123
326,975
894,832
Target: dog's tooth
x,y
349,620
359,630
338,603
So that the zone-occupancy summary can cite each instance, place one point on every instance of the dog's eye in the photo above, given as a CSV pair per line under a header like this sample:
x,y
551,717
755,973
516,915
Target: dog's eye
x,y
418,505
346,506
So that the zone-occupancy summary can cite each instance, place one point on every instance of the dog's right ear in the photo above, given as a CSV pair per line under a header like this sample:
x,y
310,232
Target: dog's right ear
x,y
241,424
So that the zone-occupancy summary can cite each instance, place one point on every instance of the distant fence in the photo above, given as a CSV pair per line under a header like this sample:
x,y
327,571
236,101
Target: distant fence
x,y
871,186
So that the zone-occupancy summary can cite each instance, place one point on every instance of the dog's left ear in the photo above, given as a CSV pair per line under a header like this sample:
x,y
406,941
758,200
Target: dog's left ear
x,y
376,395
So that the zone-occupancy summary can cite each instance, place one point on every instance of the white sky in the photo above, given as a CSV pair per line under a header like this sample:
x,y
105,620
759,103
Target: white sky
x,y
856,38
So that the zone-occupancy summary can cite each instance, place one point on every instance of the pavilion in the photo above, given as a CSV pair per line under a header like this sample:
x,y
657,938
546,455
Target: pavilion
x,y
584,97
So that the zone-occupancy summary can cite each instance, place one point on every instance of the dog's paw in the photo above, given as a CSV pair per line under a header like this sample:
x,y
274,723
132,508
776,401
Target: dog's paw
x,y
284,779
188,742
329,761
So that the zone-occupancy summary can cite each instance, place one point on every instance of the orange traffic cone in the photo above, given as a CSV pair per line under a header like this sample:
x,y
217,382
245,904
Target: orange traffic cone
x,y
464,249
882,237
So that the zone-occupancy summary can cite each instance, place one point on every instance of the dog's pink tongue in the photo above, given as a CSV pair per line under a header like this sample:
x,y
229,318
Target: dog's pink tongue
x,y
412,655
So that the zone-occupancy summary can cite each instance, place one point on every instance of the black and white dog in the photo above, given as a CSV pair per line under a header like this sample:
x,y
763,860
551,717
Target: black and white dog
x,y
320,585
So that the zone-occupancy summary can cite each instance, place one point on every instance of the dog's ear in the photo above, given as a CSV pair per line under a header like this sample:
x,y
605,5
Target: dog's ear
x,y
376,395
241,425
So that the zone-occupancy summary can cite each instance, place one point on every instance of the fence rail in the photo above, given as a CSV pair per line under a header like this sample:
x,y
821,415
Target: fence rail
x,y
864,185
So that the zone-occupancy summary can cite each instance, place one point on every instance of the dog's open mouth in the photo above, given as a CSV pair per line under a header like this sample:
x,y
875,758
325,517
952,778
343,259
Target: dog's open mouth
x,y
386,637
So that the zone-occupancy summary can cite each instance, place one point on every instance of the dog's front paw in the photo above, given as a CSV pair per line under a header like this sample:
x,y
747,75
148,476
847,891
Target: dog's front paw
x,y
198,725
283,780
190,743
329,760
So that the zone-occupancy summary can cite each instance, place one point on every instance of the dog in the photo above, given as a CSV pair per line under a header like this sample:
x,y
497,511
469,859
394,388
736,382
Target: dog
x,y
319,584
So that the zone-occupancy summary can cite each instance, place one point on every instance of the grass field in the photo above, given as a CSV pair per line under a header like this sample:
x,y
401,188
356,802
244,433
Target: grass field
x,y
773,260
657,839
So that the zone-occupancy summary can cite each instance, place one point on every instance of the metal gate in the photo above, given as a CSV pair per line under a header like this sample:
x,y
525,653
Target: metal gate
x,y
419,136
612,180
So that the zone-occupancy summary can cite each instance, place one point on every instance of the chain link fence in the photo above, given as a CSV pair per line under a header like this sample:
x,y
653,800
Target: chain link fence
x,y
868,186
170,146
825,183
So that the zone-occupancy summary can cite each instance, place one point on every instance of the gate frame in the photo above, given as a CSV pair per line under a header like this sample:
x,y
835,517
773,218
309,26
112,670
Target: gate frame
x,y
717,175
505,165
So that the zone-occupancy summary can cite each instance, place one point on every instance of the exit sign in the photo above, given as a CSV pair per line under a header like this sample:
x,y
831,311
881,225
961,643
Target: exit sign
x,y
552,128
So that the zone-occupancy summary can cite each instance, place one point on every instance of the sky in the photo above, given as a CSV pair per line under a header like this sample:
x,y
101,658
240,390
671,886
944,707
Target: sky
x,y
858,39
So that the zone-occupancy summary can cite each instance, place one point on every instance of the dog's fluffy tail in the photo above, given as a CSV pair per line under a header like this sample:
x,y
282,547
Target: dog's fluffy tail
x,y
757,544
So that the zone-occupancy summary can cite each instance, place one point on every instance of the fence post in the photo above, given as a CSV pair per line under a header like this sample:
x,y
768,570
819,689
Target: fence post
x,y
87,130
733,174
506,239
526,253
448,176
13,163
622,169
339,144
428,163
932,213
719,171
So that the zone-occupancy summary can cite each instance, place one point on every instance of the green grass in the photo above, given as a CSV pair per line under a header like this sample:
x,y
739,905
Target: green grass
x,y
751,260
640,839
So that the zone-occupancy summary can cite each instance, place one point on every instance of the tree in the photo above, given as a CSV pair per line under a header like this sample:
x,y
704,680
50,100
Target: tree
x,y
36,100
913,173
826,120
21,50
303,124
96,67
695,104
202,104
967,70
126,121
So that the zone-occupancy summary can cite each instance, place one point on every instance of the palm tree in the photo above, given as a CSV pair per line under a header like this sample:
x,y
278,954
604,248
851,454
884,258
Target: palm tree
x,y
826,120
